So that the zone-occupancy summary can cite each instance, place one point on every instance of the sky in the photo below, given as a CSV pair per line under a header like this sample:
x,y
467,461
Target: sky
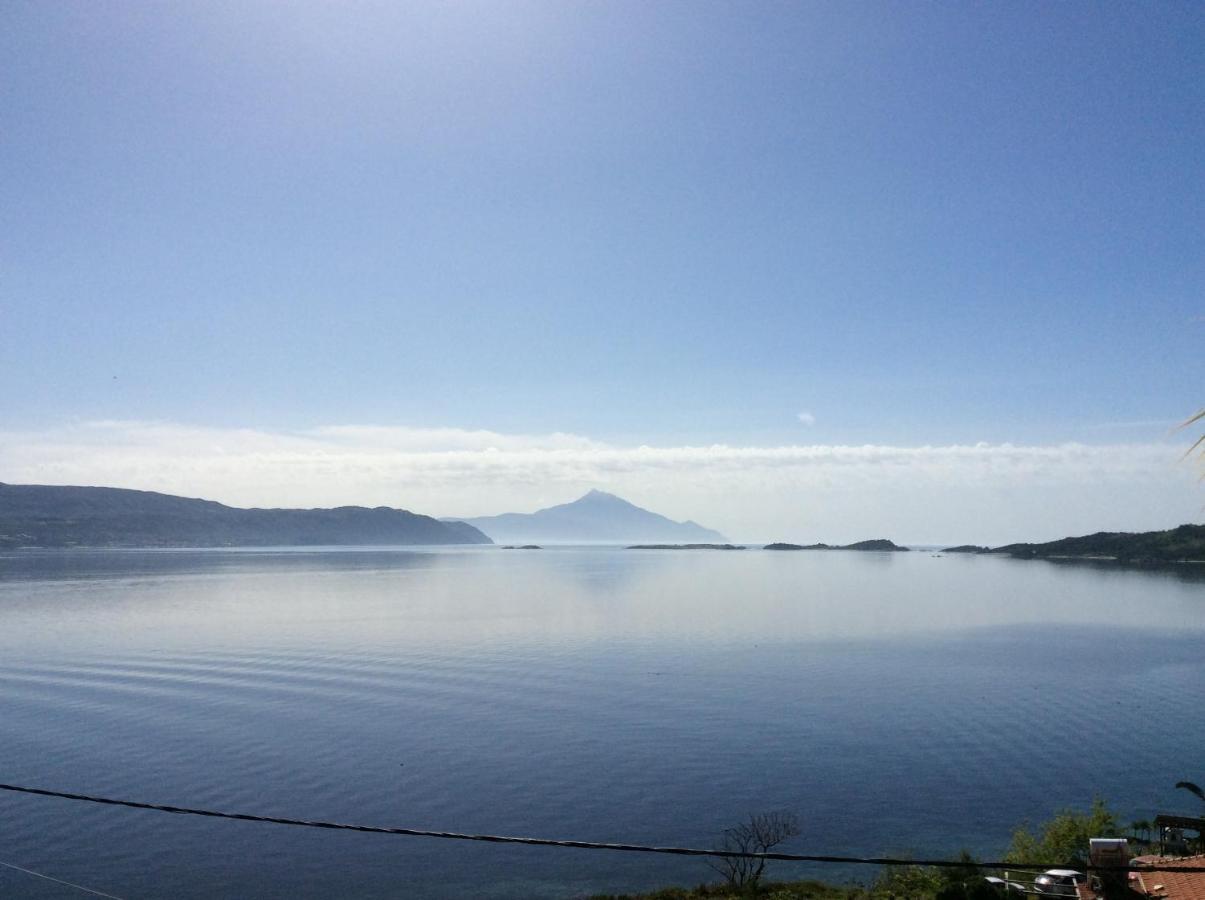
x,y
794,270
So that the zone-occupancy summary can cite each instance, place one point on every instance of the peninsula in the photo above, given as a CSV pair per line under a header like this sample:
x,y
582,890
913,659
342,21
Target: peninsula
x,y
1183,544
33,515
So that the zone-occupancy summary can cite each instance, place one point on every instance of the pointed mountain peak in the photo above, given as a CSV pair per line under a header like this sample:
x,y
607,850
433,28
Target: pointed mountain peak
x,y
596,516
596,495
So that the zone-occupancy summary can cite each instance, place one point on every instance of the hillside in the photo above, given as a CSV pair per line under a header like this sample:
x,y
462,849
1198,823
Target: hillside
x,y
1174,545
596,517
49,516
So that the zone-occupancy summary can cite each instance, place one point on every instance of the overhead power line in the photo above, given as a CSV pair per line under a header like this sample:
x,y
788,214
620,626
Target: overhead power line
x,y
578,845
78,887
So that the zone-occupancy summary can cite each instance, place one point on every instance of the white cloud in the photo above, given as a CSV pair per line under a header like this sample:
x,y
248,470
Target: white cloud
x,y
985,493
807,418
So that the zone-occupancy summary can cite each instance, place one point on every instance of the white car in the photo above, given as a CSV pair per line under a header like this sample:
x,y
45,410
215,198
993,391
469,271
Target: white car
x,y
1059,882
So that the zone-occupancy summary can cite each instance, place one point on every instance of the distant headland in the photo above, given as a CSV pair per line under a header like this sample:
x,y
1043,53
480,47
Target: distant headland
x,y
1183,544
44,516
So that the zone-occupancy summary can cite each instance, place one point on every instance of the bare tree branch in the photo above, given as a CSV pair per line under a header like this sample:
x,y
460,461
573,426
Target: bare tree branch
x,y
759,834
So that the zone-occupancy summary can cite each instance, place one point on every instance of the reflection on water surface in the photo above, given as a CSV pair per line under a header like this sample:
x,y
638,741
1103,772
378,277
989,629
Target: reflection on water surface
x,y
591,693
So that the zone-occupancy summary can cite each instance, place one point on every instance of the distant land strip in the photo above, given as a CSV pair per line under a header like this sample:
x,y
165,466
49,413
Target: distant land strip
x,y
1183,544
685,547
52,517
60,517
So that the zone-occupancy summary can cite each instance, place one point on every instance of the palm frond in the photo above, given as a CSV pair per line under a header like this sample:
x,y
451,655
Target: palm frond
x,y
1191,788
1199,442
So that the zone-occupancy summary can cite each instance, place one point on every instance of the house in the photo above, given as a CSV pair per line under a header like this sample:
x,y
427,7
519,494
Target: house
x,y
1153,877
1168,881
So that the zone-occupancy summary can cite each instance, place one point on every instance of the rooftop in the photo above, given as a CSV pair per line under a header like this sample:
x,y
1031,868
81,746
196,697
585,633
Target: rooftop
x,y
1167,882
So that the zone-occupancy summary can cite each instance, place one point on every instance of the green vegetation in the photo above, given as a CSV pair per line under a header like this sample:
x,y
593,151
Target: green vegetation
x,y
1061,842
896,883
1174,545
794,890
929,883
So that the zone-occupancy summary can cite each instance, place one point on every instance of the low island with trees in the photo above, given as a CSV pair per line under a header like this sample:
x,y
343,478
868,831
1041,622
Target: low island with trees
x,y
876,545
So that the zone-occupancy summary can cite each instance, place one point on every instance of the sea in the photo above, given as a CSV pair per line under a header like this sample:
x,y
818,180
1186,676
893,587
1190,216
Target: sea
x,y
906,704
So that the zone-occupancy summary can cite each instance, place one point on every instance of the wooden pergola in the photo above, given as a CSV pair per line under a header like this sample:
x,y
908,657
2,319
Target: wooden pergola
x,y
1171,833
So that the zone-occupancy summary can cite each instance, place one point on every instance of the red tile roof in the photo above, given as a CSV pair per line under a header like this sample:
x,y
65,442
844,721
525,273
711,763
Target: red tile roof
x,y
1170,884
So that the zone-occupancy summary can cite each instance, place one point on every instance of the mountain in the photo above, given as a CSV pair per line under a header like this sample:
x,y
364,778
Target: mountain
x,y
33,515
595,518
1174,545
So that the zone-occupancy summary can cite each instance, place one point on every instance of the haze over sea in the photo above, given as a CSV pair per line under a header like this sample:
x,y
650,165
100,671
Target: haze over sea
x,y
899,703
796,271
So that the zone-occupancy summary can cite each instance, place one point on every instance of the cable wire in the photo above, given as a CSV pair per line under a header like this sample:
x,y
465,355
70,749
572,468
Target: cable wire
x,y
579,845
78,887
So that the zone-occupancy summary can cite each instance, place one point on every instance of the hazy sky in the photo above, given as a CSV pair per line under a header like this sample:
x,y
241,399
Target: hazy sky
x,y
790,269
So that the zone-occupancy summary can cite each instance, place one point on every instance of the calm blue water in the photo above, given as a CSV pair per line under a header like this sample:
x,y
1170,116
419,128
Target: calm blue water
x,y
899,703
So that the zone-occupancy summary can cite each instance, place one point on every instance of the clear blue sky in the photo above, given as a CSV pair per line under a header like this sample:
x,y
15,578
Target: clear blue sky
x,y
917,221
665,223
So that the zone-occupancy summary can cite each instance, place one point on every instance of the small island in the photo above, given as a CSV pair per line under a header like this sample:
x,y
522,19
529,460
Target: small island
x,y
685,547
877,545
524,547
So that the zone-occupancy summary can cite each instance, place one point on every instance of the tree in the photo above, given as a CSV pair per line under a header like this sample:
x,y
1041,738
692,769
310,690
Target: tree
x,y
907,882
963,882
971,890
761,833
1141,830
1063,841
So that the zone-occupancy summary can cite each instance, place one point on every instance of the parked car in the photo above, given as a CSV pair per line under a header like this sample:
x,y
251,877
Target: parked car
x,y
1059,882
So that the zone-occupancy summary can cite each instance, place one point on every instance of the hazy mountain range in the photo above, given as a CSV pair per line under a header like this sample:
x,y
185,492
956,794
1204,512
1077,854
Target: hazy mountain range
x,y
34,515
596,517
